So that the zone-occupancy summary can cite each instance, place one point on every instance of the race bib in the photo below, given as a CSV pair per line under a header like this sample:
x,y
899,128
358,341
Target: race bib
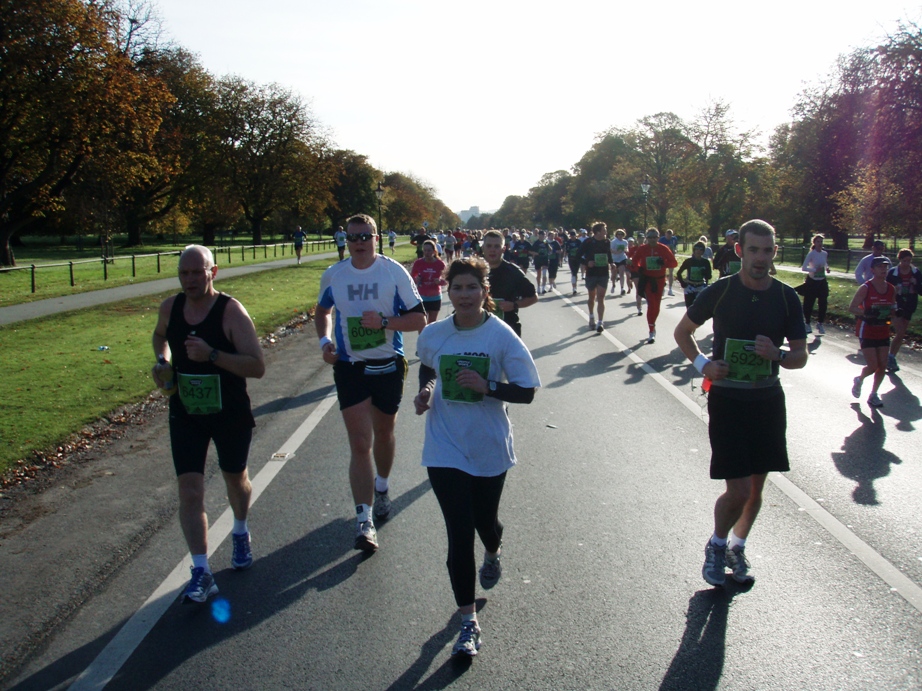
x,y
450,365
745,364
733,267
696,274
200,393
600,260
654,263
363,337
820,272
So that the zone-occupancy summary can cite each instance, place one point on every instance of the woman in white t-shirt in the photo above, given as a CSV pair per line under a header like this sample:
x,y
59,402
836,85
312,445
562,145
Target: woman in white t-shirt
x,y
471,365
816,287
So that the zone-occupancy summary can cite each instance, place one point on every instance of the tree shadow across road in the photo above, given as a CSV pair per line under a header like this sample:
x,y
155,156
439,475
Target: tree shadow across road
x,y
275,582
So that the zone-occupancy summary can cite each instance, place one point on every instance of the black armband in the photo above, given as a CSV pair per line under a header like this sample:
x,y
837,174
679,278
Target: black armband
x,y
510,393
427,376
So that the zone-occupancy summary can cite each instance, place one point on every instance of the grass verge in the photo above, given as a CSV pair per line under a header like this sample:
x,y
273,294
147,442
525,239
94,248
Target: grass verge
x,y
58,381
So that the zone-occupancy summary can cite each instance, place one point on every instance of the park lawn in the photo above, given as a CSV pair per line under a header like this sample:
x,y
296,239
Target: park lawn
x,y
58,381
54,281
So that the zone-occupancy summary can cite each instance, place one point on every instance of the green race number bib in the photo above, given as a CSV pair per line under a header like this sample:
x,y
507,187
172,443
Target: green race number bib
x,y
820,272
600,260
696,274
654,263
200,393
450,365
734,268
745,364
362,337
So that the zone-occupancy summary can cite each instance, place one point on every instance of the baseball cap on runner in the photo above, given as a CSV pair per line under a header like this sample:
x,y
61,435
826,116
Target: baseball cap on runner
x,y
731,232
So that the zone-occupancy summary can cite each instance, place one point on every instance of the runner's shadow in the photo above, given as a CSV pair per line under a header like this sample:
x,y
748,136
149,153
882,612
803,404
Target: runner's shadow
x,y
814,345
320,560
901,404
698,663
863,457
291,402
604,363
449,671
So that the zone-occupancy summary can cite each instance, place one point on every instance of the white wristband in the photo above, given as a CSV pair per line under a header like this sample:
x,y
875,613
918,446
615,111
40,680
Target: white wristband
x,y
324,341
701,362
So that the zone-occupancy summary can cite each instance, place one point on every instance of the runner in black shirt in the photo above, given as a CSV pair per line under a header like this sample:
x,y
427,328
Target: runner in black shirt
x,y
509,287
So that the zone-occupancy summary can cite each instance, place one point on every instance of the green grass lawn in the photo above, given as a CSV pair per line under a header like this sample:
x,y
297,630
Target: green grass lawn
x,y
52,279
58,381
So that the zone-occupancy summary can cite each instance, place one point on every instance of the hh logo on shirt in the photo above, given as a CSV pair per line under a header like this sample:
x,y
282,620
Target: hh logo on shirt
x,y
363,292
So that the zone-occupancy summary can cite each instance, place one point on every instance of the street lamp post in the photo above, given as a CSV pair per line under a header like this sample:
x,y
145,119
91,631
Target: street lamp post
x,y
645,188
379,193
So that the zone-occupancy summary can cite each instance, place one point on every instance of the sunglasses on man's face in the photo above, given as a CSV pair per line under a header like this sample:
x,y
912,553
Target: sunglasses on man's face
x,y
359,237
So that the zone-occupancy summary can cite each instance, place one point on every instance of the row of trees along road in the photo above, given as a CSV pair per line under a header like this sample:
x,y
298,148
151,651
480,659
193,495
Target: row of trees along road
x,y
849,162
104,127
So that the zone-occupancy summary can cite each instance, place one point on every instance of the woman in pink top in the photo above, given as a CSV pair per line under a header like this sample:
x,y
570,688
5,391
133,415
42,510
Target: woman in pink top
x,y
427,272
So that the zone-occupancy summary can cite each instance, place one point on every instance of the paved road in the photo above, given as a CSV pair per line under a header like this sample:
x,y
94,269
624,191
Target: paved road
x,y
606,517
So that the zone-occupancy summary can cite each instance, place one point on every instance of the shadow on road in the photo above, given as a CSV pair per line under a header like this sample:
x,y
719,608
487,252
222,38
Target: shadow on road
x,y
699,662
292,402
901,404
863,457
275,582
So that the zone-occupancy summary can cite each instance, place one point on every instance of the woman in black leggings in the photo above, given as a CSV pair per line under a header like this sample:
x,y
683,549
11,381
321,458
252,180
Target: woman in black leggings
x,y
471,365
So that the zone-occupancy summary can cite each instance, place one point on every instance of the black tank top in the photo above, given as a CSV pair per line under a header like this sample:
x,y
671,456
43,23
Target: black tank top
x,y
235,403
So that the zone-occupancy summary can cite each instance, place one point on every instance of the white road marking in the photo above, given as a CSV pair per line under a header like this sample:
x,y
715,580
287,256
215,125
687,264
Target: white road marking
x,y
129,637
890,574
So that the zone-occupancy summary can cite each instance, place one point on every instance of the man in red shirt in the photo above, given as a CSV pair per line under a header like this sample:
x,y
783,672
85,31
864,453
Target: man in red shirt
x,y
651,261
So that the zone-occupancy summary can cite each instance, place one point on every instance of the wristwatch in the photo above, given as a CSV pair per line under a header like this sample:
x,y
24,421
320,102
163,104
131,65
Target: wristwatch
x,y
491,386
782,354
384,322
213,355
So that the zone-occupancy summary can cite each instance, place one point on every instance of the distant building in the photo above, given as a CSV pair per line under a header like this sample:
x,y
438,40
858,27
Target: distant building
x,y
468,214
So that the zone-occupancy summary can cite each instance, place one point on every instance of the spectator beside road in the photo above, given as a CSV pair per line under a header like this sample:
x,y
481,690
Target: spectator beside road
x,y
297,238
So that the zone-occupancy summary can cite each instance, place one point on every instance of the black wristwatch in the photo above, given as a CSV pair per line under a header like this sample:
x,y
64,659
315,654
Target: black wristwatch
x,y
384,322
213,355
782,354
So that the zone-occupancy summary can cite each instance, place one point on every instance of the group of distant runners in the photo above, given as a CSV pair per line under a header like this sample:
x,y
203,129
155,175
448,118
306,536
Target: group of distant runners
x,y
473,363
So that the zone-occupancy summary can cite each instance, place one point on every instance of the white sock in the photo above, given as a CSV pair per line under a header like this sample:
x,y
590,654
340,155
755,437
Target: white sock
x,y
240,527
469,617
381,484
362,512
719,541
736,541
200,561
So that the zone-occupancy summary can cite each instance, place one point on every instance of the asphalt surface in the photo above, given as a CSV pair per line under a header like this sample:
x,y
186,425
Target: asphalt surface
x,y
606,517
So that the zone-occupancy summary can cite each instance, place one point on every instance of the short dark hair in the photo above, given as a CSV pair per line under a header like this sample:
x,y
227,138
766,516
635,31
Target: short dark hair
x,y
756,227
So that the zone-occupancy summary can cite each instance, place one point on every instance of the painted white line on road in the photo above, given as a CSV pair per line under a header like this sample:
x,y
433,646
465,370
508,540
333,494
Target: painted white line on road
x,y
129,637
875,561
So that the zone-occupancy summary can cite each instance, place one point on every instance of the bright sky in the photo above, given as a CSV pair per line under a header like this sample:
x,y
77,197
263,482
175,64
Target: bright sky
x,y
481,98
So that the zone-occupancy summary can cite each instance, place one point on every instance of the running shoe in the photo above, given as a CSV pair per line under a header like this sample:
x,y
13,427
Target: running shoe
x,y
382,506
591,323
874,401
200,587
574,292
366,537
598,329
652,338
739,565
715,559
821,329
468,640
670,292
892,365
809,328
622,292
490,572
242,557
856,387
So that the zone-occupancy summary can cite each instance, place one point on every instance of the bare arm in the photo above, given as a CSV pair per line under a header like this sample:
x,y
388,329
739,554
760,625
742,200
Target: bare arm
x,y
860,295
161,347
238,327
684,335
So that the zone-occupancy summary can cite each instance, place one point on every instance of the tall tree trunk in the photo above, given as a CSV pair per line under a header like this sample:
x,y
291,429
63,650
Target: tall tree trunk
x,y
209,231
257,226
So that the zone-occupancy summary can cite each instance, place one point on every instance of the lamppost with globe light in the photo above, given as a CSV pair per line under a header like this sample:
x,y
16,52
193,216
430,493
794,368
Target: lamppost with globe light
x,y
379,193
645,188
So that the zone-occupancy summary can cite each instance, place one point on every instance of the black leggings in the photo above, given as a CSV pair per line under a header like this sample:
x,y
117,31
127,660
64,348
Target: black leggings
x,y
815,291
468,503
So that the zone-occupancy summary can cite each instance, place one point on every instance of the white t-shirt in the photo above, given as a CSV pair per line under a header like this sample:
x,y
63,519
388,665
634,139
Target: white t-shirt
x,y
815,263
473,437
384,287
618,250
